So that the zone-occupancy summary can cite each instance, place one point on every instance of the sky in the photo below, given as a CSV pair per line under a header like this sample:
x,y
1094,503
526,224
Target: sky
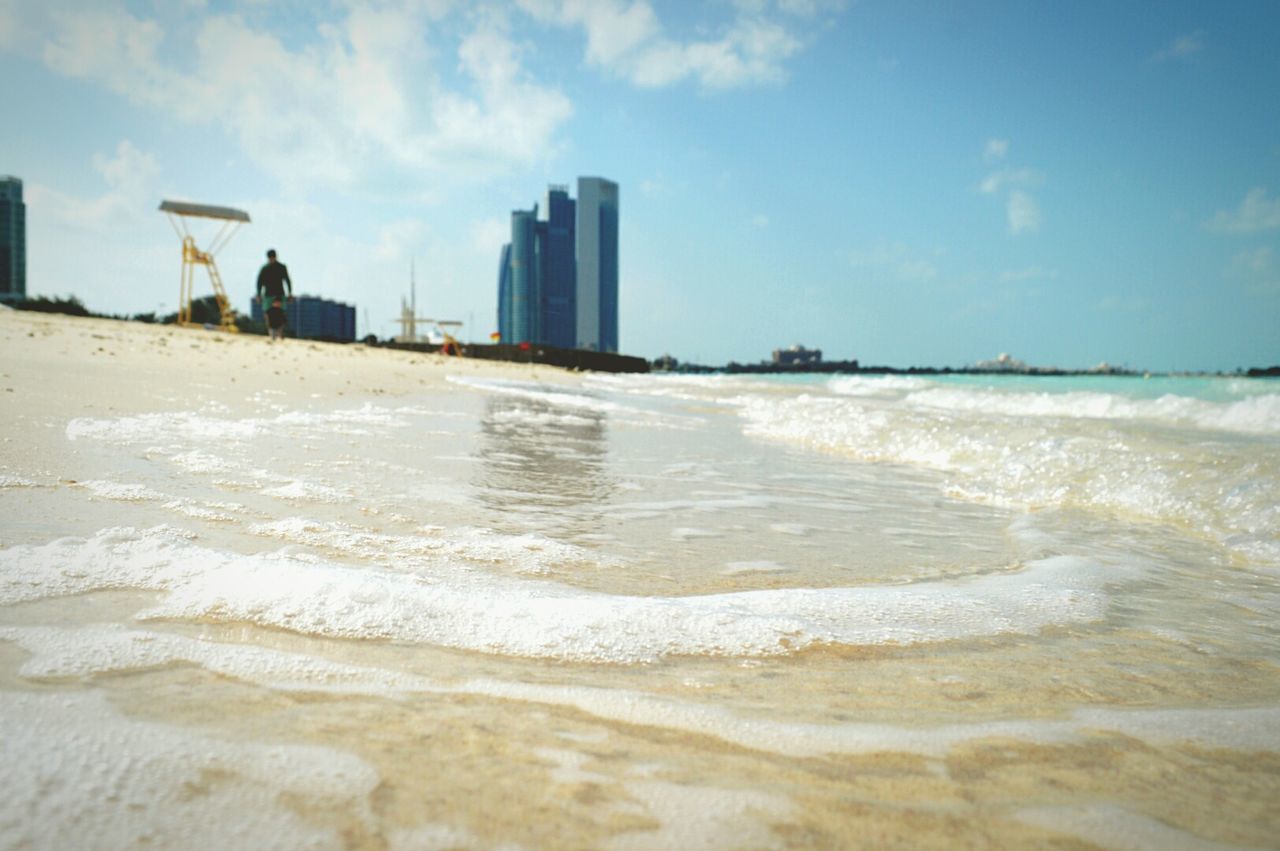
x,y
901,182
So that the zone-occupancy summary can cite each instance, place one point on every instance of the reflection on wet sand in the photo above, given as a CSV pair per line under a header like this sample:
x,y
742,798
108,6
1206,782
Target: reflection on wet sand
x,y
539,458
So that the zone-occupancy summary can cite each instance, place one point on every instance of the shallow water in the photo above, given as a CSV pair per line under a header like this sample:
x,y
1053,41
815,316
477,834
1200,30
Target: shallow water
x,y
654,611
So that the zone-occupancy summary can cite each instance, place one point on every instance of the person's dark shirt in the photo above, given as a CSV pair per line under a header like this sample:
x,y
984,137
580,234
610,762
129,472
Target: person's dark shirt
x,y
272,281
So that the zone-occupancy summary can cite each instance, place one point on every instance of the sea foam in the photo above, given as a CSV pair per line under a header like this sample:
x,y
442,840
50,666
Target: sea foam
x,y
1252,415
1023,450
82,776
62,653
469,610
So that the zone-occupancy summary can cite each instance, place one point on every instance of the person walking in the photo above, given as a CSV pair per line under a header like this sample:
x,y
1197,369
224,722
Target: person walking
x,y
274,287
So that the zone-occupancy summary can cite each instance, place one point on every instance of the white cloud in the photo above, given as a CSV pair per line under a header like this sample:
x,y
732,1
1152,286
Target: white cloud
x,y
1181,47
400,239
1257,261
1257,269
652,186
131,180
614,28
1023,212
130,170
760,220
1009,178
809,8
364,93
1021,208
489,235
995,150
513,117
11,26
1256,212
627,39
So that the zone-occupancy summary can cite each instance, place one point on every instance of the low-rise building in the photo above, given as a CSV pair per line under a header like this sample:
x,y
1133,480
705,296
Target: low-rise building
x,y
315,318
797,355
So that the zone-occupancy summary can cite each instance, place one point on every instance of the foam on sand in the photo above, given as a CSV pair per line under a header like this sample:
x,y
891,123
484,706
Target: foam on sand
x,y
82,776
466,609
59,653
194,428
120,491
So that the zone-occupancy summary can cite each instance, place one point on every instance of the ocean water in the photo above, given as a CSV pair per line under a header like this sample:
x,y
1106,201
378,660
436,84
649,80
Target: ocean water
x,y
652,612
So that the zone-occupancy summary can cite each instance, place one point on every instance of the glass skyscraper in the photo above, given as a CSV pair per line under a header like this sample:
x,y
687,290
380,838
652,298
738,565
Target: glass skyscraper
x,y
559,274
524,276
13,241
541,283
597,264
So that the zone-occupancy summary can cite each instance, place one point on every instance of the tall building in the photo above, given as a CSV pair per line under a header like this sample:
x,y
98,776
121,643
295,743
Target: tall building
x,y
556,263
558,268
13,241
525,289
597,264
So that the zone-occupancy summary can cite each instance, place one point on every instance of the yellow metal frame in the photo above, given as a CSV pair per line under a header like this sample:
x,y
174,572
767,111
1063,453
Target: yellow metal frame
x,y
192,256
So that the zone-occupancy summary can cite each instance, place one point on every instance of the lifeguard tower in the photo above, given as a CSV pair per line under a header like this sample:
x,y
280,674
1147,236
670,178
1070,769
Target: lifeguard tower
x,y
179,213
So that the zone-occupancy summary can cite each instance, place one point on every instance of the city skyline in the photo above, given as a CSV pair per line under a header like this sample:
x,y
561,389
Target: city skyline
x,y
931,183
558,276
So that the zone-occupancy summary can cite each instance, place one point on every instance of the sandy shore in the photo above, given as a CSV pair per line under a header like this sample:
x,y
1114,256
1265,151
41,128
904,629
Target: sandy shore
x,y
308,595
58,365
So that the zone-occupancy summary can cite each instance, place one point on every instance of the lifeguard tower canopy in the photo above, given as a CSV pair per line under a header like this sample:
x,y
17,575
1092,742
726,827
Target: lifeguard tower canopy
x,y
204,211
231,218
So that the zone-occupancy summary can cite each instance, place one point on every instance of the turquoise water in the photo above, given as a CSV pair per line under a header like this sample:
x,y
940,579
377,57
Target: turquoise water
x,y
1205,388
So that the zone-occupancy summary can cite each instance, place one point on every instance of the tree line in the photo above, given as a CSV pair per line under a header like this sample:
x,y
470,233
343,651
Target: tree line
x,y
204,311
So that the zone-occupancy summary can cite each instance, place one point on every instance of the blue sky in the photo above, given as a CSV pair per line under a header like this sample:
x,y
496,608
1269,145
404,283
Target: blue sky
x,y
898,182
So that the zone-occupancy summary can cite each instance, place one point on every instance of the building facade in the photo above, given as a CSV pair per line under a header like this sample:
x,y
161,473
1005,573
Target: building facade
x,y
525,289
597,255
314,318
13,241
558,277
558,269
797,355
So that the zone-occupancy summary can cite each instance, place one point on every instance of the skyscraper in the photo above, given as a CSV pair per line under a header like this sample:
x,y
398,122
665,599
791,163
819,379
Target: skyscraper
x,y
525,289
597,253
541,284
13,241
559,274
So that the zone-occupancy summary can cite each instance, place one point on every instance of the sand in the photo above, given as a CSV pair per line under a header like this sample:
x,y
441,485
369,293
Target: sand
x,y
163,710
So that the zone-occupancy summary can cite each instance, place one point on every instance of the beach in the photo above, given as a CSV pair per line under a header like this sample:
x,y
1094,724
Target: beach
x,y
305,595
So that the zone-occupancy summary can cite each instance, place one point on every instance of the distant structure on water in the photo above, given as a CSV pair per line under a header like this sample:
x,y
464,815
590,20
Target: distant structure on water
x,y
797,355
13,241
558,276
1003,363
314,318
